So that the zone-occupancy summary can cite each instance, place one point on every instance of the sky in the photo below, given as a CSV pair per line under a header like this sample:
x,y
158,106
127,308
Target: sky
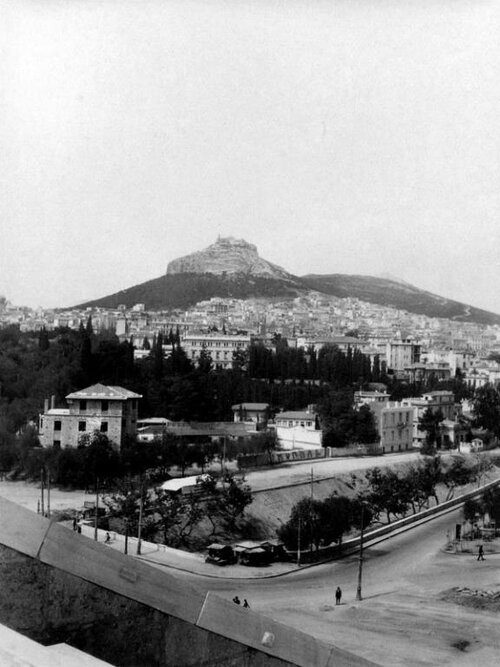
x,y
338,136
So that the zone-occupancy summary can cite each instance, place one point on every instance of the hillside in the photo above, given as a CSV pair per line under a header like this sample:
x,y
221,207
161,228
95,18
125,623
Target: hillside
x,y
182,290
397,294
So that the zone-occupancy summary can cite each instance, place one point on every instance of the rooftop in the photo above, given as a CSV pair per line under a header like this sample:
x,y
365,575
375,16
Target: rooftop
x,y
103,391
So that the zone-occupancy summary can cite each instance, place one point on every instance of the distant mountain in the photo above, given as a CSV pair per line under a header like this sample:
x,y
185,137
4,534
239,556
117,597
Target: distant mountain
x,y
397,295
232,268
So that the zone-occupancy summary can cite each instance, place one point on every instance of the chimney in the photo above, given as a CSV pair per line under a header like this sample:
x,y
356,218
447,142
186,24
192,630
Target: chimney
x,y
45,406
52,402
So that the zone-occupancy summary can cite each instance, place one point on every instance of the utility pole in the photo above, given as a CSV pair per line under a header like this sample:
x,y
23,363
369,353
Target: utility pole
x,y
96,506
360,568
42,478
140,522
48,492
298,545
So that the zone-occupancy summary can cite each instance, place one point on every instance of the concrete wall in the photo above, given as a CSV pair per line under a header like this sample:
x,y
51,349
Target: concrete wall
x,y
58,586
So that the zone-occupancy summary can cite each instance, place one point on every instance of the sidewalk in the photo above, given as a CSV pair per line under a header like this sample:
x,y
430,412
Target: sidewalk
x,y
193,563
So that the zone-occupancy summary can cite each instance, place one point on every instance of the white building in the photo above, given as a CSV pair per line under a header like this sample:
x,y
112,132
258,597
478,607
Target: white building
x,y
394,422
219,346
298,429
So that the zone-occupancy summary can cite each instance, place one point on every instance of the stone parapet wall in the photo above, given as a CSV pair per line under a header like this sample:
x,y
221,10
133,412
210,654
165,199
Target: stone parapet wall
x,y
57,586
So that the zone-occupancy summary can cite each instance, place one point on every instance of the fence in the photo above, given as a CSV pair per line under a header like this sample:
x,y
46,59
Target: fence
x,y
272,458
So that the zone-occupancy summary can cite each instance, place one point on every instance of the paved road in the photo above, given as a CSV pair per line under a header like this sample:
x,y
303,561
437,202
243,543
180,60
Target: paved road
x,y
402,619
296,473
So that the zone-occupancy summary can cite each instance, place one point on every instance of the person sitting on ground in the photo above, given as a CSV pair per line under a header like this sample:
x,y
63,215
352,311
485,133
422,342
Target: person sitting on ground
x,y
236,600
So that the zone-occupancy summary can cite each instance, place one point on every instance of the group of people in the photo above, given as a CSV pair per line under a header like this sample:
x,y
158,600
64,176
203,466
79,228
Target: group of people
x,y
237,600
338,598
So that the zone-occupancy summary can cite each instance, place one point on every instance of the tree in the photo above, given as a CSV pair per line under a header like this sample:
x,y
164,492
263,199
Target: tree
x,y
235,497
157,354
457,474
124,505
304,519
240,360
43,340
205,363
322,522
365,429
430,423
388,494
100,459
471,508
486,407
490,502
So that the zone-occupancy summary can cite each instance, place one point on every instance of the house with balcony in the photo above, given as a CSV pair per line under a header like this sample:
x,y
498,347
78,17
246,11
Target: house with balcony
x,y
111,410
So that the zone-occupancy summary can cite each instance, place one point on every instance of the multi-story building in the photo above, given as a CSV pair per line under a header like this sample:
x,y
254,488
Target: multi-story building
x,y
433,400
107,409
394,422
402,353
363,397
219,346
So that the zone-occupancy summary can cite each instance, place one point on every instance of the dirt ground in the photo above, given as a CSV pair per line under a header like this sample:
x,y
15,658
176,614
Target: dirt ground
x,y
28,494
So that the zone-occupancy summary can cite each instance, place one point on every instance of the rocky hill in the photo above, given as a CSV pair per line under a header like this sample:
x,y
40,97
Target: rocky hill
x,y
232,268
228,256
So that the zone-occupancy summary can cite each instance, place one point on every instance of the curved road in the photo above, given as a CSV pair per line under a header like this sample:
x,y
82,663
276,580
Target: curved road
x,y
401,619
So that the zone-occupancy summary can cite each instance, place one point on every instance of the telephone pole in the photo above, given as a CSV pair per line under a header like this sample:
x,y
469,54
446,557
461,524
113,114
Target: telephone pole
x,y
360,567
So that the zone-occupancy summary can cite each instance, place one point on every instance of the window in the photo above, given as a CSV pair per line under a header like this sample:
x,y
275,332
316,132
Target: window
x,y
104,427
57,425
82,426
83,405
104,406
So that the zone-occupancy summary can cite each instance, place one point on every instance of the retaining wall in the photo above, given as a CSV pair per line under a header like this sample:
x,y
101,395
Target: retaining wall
x,y
59,586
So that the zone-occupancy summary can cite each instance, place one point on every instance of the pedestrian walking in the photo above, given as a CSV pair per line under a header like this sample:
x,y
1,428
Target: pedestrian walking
x,y
108,538
245,603
338,595
236,600
480,553
74,523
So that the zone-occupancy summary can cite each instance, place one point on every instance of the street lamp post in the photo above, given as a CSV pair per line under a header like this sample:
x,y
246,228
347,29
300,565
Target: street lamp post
x,y
360,567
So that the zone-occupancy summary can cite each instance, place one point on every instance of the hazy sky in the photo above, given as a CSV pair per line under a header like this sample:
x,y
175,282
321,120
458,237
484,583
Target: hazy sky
x,y
351,136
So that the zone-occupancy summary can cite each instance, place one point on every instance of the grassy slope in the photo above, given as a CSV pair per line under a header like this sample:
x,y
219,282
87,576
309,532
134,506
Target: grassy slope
x,y
270,508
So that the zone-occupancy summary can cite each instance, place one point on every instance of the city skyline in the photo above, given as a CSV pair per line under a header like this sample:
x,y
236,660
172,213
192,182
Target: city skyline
x,y
338,138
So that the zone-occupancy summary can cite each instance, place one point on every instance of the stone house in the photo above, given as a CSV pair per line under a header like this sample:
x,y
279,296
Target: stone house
x,y
108,409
